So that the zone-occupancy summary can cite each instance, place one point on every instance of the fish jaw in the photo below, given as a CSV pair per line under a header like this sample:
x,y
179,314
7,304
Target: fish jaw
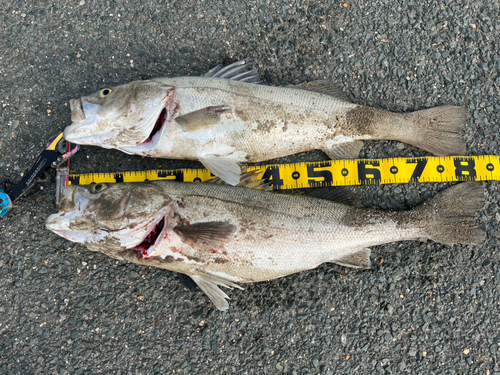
x,y
129,115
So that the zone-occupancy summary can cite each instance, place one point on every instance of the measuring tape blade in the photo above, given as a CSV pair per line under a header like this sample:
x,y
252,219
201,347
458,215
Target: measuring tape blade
x,y
330,173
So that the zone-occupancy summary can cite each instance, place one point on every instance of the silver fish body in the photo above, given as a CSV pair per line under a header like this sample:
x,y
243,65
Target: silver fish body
x,y
222,122
221,235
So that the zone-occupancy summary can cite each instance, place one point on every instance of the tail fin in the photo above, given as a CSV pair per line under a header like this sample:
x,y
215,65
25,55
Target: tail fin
x,y
437,130
451,214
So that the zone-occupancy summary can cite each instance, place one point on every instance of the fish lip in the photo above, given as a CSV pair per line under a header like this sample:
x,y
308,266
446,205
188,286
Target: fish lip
x,y
88,140
51,223
77,112
83,117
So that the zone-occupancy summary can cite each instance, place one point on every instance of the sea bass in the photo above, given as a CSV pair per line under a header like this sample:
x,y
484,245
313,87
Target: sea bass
x,y
221,236
227,117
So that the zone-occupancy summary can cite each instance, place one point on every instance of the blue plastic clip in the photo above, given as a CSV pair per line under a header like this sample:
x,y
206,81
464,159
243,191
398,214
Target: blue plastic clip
x,y
5,203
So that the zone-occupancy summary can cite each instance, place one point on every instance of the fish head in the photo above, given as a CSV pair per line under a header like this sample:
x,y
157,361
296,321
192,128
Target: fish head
x,y
120,117
113,218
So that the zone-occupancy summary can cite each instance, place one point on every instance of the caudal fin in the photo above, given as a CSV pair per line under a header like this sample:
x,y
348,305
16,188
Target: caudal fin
x,y
437,130
451,214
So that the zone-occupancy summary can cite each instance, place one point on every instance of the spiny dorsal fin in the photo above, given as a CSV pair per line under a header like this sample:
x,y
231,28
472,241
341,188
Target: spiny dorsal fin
x,y
360,259
324,87
238,71
334,194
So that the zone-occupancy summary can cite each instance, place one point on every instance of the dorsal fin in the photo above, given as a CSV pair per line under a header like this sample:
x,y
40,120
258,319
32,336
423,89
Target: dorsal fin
x,y
238,71
336,194
332,193
324,87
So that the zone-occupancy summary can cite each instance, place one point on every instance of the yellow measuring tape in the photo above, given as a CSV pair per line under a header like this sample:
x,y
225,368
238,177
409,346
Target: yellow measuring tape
x,y
331,173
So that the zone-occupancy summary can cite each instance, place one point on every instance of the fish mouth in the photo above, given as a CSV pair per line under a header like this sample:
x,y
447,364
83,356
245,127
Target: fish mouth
x,y
152,239
82,130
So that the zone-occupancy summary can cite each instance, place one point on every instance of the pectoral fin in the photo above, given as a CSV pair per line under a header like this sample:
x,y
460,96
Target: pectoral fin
x,y
226,169
209,284
360,259
348,150
205,236
201,119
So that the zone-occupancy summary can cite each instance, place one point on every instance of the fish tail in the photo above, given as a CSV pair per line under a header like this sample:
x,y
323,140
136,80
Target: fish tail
x,y
436,130
450,215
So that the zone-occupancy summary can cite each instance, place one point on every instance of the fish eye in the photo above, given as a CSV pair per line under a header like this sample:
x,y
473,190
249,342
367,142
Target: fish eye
x,y
97,188
105,92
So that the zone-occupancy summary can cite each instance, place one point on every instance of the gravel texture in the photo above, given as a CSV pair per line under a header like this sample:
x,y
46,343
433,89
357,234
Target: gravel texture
x,y
424,308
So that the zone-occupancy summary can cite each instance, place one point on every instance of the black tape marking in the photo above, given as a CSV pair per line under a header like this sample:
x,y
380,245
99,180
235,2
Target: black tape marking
x,y
419,169
313,173
272,175
465,172
73,180
179,175
119,177
365,173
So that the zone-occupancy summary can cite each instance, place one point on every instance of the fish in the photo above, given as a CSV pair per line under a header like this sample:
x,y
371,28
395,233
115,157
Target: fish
x,y
223,236
229,117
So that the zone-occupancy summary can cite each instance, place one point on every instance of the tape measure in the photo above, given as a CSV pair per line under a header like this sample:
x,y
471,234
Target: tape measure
x,y
330,173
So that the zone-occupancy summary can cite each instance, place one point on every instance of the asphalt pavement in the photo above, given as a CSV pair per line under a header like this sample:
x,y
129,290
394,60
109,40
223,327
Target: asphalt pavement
x,y
424,308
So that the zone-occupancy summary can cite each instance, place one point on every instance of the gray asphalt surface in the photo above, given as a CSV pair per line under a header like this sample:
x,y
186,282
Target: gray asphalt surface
x,y
424,308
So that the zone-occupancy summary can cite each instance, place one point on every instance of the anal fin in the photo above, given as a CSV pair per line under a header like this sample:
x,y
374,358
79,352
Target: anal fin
x,y
348,150
359,259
